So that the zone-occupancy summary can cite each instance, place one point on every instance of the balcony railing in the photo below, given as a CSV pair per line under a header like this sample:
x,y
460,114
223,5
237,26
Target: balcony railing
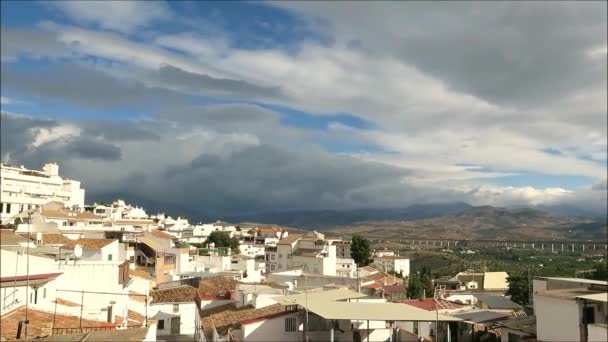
x,y
76,330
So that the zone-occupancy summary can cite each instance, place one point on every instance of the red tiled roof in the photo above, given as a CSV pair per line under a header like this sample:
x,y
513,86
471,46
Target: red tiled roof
x,y
369,269
89,243
41,323
31,277
232,317
210,288
430,304
291,238
179,294
161,235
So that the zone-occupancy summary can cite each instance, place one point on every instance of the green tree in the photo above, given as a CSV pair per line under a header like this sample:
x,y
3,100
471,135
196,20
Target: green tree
x,y
223,239
519,289
360,251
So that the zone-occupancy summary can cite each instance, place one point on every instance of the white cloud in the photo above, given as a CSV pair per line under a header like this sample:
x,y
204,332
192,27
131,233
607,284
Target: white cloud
x,y
46,135
5,100
124,16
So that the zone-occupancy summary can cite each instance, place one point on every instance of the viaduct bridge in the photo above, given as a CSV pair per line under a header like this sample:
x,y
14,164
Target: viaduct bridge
x,y
549,245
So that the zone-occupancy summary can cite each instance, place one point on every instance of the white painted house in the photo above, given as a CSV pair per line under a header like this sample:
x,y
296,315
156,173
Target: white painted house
x,y
393,263
174,309
24,189
570,309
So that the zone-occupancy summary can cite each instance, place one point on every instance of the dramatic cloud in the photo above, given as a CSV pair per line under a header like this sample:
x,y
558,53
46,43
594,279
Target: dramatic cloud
x,y
400,103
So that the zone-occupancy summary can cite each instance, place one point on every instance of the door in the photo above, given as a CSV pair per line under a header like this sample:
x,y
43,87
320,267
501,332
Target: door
x,y
175,325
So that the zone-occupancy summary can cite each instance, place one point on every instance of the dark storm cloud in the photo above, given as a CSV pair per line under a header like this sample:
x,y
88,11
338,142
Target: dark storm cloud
x,y
119,131
267,177
78,85
515,53
89,149
17,132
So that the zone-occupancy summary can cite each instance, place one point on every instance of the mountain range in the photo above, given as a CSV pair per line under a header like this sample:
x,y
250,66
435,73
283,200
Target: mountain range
x,y
449,220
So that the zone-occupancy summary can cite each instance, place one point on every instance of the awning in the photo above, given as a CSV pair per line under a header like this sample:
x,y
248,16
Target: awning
x,y
327,304
374,312
323,296
598,297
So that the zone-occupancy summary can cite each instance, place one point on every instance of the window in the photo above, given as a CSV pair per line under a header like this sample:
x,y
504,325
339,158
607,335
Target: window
x,y
161,324
8,208
272,267
44,293
291,324
175,308
272,256
109,257
280,255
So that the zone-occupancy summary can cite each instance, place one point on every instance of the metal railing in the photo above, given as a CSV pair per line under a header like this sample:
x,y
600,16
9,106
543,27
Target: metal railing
x,y
76,330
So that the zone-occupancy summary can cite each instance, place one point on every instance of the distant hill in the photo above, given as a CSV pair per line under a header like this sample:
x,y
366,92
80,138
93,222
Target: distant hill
x,y
484,222
323,219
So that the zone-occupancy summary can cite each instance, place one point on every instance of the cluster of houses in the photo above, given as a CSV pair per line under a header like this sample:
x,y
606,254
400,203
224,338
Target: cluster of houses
x,y
113,272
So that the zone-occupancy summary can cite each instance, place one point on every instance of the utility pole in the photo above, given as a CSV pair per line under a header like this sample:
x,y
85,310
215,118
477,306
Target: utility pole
x,y
530,296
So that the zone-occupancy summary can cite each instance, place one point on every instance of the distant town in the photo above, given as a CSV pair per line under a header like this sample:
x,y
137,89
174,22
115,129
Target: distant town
x,y
72,270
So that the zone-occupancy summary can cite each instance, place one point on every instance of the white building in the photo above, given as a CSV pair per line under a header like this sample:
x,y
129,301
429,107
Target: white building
x,y
24,189
174,309
571,309
65,279
393,263
309,253
346,267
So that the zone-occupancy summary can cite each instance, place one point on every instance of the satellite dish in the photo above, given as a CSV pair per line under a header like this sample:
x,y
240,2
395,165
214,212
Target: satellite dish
x,y
78,251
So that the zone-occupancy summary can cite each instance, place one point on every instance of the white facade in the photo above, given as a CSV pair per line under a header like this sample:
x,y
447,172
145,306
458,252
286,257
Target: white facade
x,y
272,329
393,264
88,276
314,256
24,189
346,267
556,319
177,318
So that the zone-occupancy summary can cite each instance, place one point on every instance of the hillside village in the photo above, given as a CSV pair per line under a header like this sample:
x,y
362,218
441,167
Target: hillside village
x,y
77,271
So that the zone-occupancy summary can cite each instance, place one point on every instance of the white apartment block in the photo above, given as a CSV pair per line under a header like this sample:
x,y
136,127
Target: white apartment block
x,y
392,263
309,253
24,189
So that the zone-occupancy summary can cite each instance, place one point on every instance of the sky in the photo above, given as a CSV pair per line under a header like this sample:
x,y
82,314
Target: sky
x,y
242,107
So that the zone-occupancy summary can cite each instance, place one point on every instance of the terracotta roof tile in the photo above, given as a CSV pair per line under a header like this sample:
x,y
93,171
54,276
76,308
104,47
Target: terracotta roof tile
x,y
233,318
160,234
10,238
291,238
214,287
89,243
178,294
51,238
430,304
41,323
